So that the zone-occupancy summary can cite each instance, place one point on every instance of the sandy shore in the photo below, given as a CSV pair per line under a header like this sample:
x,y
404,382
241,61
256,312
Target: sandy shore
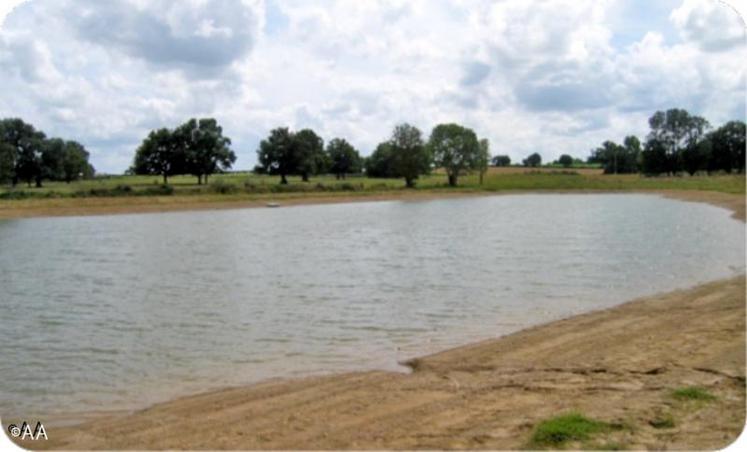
x,y
150,204
618,365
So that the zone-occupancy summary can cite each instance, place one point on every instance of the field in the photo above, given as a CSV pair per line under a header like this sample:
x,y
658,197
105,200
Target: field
x,y
116,194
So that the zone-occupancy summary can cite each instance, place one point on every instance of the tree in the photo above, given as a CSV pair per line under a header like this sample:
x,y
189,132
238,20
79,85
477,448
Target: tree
x,y
52,156
455,149
7,161
343,158
727,147
654,159
674,131
410,156
276,154
308,152
27,144
566,160
533,160
695,158
159,153
205,149
483,158
75,162
501,160
380,163
616,158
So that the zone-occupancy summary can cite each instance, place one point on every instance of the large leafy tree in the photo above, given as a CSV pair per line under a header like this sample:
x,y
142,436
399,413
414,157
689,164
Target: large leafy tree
x,y
27,145
410,156
455,149
74,163
728,147
343,158
674,131
7,162
276,154
308,151
52,156
205,149
380,162
160,153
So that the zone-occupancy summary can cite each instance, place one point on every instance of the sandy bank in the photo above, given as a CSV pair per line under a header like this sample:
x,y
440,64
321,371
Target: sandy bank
x,y
126,205
618,365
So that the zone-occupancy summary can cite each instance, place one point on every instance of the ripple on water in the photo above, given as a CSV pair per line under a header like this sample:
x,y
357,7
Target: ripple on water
x,y
133,309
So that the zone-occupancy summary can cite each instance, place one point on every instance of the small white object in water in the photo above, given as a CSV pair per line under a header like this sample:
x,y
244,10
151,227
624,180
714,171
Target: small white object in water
x,y
272,204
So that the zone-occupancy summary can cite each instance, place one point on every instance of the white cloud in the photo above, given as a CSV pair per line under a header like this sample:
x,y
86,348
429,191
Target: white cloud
x,y
551,77
713,25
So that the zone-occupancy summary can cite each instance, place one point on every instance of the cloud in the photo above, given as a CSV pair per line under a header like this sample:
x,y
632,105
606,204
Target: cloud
x,y
558,76
713,25
198,36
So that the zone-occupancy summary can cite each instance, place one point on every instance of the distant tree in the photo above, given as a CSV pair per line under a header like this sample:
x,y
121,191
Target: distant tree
x,y
483,159
343,158
52,156
654,158
696,157
308,152
7,162
616,158
204,148
728,147
75,163
380,163
276,154
674,131
410,156
27,144
533,160
159,153
501,160
455,149
566,160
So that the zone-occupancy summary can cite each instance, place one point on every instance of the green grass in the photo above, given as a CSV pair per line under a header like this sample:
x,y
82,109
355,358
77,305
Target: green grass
x,y
558,431
693,393
243,183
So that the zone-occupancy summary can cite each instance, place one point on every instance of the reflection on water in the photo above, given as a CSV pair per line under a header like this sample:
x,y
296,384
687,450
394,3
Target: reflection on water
x,y
115,312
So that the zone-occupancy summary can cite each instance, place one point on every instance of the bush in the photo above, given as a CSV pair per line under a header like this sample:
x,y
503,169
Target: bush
x,y
222,188
161,190
569,427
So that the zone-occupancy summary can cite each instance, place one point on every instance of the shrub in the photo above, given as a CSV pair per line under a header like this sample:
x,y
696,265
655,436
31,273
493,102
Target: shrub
x,y
568,427
692,393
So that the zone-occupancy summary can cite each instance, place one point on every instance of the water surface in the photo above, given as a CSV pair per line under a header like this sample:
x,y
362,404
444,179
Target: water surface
x,y
117,312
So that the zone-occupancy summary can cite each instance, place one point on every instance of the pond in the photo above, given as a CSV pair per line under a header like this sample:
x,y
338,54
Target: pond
x,y
118,312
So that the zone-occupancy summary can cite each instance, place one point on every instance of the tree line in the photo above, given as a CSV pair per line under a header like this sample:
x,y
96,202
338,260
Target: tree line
x,y
677,142
406,154
27,155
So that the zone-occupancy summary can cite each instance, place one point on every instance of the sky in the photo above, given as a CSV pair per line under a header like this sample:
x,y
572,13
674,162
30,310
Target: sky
x,y
552,77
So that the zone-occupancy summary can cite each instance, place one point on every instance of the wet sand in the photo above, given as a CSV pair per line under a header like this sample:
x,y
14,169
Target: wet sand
x,y
618,365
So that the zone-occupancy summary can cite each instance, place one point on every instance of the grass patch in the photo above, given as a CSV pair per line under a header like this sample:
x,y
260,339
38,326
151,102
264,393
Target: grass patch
x,y
557,431
662,422
693,393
